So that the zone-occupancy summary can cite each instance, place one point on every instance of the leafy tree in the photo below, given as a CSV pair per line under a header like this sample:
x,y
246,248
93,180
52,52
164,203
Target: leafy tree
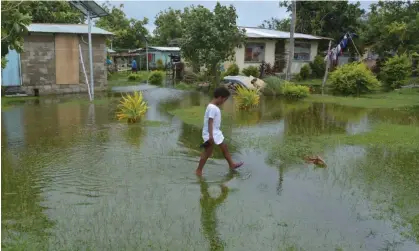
x,y
52,12
277,24
13,26
332,20
392,27
168,27
396,72
128,33
209,38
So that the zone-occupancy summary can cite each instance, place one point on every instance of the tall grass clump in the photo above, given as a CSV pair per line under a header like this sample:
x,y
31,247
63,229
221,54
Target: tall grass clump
x,y
246,99
272,86
353,79
132,107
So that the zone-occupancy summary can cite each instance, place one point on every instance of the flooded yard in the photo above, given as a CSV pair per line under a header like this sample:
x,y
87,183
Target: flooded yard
x,y
74,178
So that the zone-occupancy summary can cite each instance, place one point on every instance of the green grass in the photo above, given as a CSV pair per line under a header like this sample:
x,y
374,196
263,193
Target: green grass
x,y
382,135
195,114
184,86
121,78
7,102
313,82
394,99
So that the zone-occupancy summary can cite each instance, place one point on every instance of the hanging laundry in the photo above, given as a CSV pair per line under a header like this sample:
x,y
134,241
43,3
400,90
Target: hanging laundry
x,y
339,49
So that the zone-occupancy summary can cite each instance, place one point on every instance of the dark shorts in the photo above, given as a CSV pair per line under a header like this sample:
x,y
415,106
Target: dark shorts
x,y
134,69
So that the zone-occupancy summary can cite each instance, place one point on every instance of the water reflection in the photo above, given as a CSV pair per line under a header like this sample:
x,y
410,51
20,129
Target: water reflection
x,y
209,207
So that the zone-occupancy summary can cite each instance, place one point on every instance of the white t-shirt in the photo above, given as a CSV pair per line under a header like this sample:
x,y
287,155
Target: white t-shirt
x,y
213,112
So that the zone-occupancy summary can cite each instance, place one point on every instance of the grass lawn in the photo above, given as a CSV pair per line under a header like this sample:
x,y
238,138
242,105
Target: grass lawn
x,y
314,82
121,78
7,102
394,99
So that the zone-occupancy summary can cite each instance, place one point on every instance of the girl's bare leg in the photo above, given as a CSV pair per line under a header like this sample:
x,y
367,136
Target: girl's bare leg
x,y
204,156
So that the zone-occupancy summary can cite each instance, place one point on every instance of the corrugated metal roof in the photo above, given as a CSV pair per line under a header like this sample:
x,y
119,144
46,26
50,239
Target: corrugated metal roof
x,y
66,28
165,48
267,33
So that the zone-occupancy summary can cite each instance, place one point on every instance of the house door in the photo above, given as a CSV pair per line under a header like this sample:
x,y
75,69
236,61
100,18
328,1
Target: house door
x,y
10,76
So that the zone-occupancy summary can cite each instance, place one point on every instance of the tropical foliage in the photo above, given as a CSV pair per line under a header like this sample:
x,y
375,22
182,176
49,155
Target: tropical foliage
x,y
156,78
318,67
396,72
128,32
246,99
132,107
353,79
251,71
168,27
305,72
293,91
210,37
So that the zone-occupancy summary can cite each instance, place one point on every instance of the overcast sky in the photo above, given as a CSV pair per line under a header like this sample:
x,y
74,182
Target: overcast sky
x,y
250,13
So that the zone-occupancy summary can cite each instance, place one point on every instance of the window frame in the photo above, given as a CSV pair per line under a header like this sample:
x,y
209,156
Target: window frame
x,y
253,45
308,43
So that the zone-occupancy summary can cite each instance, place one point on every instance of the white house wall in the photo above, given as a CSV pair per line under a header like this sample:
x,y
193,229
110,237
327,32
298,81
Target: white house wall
x,y
297,64
270,55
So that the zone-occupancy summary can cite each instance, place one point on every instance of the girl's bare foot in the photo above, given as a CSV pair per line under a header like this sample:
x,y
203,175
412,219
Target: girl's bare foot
x,y
236,165
198,172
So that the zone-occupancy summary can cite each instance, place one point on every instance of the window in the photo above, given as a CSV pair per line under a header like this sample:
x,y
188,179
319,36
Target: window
x,y
151,57
302,51
254,53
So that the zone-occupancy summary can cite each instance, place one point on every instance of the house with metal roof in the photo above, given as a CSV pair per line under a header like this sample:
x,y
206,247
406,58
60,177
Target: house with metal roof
x,y
55,59
155,53
271,46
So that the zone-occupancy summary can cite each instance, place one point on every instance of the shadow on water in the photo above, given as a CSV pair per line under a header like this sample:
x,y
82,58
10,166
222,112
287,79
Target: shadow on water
x,y
74,178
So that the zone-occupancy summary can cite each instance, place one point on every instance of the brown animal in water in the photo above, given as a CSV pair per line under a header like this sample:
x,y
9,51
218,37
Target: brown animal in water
x,y
316,160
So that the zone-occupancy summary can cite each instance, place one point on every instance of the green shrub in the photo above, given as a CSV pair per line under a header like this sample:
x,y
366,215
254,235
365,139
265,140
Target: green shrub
x,y
318,67
133,77
291,90
232,70
246,99
160,65
272,86
396,72
184,86
138,77
251,71
353,79
156,78
305,72
109,75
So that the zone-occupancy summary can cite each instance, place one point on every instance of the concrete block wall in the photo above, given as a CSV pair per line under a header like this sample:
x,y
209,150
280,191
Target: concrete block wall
x,y
38,65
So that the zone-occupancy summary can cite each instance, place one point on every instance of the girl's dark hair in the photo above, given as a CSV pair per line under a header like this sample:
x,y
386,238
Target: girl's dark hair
x,y
221,92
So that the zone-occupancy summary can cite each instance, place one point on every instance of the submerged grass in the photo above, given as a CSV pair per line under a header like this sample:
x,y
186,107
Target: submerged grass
x,y
383,135
394,99
7,102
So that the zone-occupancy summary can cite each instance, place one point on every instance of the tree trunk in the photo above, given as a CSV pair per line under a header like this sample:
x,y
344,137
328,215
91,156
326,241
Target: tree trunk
x,y
216,74
291,44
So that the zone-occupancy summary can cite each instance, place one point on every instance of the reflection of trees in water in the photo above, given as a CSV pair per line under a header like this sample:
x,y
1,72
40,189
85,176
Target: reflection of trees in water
x,y
312,121
395,178
23,219
345,114
191,137
208,212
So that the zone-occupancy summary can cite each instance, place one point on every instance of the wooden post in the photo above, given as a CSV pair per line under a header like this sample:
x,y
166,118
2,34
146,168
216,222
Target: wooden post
x,y
327,67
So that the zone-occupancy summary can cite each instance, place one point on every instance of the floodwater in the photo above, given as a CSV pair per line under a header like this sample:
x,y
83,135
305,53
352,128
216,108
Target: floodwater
x,y
74,178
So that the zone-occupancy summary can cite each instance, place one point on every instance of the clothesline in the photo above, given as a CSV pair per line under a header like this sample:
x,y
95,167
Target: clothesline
x,y
334,53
